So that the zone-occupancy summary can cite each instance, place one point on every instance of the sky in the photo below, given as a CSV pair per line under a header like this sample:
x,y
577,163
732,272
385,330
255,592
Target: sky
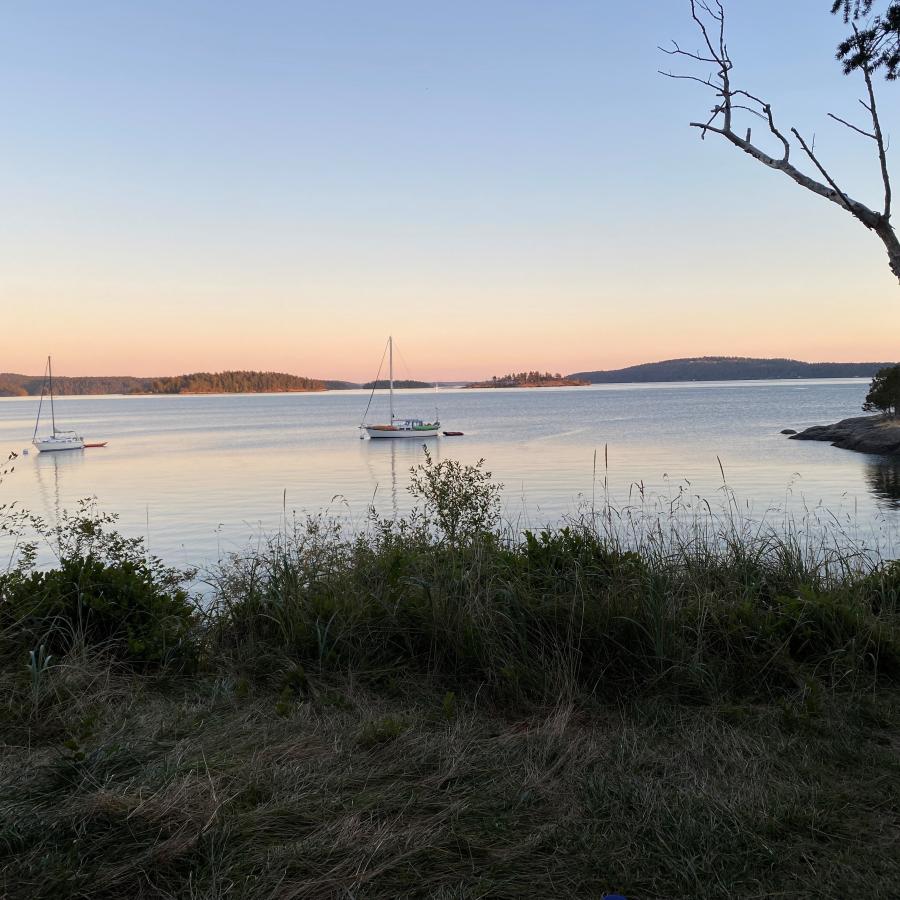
x,y
500,184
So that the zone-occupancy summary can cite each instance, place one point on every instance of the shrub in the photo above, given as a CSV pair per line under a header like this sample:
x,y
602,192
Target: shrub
x,y
462,501
104,591
119,605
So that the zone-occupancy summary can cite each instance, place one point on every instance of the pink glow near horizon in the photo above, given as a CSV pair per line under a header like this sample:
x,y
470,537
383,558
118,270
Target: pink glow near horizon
x,y
439,366
285,211
448,339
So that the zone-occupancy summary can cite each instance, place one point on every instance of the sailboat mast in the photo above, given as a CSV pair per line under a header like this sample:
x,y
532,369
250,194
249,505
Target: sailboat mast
x,y
52,412
37,421
391,369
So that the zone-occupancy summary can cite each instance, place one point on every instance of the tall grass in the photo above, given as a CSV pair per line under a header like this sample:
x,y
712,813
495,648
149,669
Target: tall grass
x,y
616,600
635,599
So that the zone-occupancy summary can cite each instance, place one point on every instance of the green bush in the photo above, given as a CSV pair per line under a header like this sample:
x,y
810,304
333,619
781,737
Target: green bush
x,y
119,605
461,502
105,590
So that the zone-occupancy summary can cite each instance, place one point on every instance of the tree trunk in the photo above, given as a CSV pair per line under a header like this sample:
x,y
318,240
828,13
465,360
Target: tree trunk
x,y
885,231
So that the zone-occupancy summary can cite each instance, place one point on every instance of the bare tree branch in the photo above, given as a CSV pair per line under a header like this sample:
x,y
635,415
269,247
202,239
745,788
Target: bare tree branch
x,y
709,18
879,139
704,81
749,109
679,52
845,200
851,126
784,141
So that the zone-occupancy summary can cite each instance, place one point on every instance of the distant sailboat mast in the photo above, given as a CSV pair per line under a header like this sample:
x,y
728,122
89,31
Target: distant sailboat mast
x,y
58,439
48,375
391,373
52,411
398,427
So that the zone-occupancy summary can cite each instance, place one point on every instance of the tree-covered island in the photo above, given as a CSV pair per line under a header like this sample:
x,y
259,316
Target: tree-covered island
x,y
229,382
403,383
235,383
529,380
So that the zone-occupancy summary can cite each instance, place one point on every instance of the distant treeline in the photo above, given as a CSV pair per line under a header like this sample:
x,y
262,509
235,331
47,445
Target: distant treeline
x,y
382,384
730,368
706,368
234,383
529,379
12,385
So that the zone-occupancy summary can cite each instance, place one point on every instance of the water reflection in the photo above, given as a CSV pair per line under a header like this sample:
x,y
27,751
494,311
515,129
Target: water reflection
x,y
48,467
389,463
883,477
167,460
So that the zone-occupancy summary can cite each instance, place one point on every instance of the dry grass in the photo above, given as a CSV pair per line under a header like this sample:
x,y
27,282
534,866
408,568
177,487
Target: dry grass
x,y
219,787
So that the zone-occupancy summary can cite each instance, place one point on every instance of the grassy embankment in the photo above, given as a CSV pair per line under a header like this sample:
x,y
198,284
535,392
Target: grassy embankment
x,y
434,708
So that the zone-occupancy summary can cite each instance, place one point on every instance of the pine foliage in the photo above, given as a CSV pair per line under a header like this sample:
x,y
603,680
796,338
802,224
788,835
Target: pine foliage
x,y
884,392
875,42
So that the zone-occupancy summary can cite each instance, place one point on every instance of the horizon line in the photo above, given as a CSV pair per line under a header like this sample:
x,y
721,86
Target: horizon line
x,y
450,381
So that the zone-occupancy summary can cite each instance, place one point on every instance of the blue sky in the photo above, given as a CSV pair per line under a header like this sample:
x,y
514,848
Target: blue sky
x,y
278,185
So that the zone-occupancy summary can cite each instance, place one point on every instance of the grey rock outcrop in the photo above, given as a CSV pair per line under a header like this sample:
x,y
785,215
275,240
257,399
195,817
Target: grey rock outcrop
x,y
865,434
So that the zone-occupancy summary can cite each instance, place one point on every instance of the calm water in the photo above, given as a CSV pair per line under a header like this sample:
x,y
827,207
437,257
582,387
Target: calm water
x,y
201,475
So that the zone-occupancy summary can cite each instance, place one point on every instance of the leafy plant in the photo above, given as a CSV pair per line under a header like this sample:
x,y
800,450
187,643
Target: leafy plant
x,y
461,500
104,590
38,664
119,605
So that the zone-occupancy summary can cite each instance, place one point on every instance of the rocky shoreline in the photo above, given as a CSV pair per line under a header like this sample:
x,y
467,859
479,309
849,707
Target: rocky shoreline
x,y
865,434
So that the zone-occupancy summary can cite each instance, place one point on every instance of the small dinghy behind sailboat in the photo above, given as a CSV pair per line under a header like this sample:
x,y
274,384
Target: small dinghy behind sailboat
x,y
397,427
58,439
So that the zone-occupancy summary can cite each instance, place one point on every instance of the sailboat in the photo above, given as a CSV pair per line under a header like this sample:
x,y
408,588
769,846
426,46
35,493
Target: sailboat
x,y
58,439
397,427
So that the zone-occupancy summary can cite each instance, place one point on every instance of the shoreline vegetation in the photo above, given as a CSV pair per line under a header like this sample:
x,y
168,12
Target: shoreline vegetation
x,y
439,706
709,368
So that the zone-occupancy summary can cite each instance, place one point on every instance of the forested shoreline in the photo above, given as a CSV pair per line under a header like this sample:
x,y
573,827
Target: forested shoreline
x,y
729,368
229,382
707,368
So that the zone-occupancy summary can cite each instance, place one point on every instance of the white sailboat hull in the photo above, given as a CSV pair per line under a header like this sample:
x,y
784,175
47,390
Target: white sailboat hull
x,y
59,442
400,427
59,438
386,432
